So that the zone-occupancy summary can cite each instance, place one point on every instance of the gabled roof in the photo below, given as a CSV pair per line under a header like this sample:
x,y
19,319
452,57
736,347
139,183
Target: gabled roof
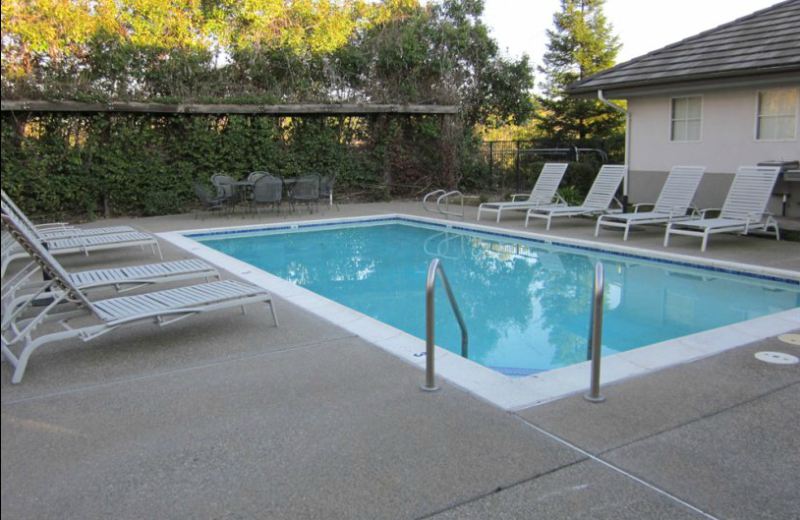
x,y
765,42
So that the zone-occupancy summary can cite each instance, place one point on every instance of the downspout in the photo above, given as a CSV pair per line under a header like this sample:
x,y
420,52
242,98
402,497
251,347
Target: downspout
x,y
618,108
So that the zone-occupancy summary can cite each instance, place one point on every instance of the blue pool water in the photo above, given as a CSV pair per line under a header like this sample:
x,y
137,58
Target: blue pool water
x,y
526,304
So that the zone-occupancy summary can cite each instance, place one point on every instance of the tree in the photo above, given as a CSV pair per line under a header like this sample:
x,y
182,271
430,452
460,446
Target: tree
x,y
581,44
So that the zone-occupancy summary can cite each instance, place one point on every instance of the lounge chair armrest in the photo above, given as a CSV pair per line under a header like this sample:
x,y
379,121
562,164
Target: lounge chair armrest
x,y
703,212
636,207
757,216
53,226
514,196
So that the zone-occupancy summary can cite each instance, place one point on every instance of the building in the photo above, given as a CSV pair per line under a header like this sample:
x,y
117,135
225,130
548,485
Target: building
x,y
726,97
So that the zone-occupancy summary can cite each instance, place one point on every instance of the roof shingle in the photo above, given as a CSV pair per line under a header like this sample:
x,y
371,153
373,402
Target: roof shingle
x,y
767,41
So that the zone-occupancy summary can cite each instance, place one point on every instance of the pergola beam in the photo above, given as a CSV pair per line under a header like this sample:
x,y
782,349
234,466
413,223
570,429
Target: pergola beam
x,y
277,110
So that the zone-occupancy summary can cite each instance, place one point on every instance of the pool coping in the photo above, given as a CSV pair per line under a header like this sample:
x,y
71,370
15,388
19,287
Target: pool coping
x,y
508,393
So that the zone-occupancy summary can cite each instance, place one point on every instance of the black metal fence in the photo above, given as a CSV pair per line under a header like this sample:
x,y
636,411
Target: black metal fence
x,y
514,165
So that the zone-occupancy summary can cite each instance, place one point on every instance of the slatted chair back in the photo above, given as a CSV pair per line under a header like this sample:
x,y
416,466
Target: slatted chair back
x,y
50,267
750,192
267,189
679,189
24,220
605,186
547,184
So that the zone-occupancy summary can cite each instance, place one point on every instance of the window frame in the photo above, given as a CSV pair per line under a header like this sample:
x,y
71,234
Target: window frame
x,y
672,120
758,116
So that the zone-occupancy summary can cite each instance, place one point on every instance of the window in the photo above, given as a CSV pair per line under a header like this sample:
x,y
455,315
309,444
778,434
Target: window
x,y
686,118
776,116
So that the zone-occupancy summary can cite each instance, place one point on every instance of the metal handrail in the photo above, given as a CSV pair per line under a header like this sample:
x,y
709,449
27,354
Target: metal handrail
x,y
430,285
445,196
425,199
596,336
446,212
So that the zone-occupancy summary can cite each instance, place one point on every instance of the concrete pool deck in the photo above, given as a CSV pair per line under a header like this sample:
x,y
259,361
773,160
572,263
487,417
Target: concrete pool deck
x,y
230,417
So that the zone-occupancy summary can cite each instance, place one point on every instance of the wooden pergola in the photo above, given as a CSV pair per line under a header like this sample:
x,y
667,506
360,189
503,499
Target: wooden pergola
x,y
317,109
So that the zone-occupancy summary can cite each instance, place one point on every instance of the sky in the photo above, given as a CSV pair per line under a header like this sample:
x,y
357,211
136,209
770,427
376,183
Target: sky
x,y
642,25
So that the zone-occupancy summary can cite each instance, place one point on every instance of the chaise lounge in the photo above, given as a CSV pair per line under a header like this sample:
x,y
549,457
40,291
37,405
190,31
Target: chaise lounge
x,y
598,200
672,204
744,209
542,194
22,327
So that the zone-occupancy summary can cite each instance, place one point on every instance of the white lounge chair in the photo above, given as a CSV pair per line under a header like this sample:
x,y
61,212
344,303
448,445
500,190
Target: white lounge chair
x,y
672,204
22,328
61,229
744,209
75,244
18,288
542,194
598,200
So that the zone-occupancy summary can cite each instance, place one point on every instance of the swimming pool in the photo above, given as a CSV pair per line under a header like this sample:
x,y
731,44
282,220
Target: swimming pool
x,y
526,301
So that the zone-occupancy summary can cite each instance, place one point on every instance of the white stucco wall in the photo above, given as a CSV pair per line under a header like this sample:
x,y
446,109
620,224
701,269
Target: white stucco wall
x,y
727,136
727,142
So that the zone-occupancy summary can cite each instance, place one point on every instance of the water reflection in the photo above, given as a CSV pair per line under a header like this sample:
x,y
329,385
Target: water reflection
x,y
526,305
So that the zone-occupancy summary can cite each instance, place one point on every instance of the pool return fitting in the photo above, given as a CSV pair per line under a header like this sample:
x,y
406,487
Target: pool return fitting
x,y
430,344
596,336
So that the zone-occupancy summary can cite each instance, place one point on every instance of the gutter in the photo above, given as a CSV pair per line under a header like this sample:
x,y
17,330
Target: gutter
x,y
618,108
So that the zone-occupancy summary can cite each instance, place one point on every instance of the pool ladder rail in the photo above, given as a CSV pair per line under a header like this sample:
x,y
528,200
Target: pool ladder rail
x,y
430,344
595,328
445,196
596,335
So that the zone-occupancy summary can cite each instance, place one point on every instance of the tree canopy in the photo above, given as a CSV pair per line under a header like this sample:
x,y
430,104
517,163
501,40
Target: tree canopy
x,y
581,44
261,51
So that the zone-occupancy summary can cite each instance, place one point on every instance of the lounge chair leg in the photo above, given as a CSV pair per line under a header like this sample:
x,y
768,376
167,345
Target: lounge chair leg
x,y
244,310
625,235
549,218
666,235
274,315
498,215
705,243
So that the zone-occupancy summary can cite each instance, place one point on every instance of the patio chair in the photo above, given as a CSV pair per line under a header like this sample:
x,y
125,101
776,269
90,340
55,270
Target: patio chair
x,y
76,244
599,199
209,203
254,176
672,205
542,194
326,185
267,190
305,190
744,209
61,229
227,190
22,328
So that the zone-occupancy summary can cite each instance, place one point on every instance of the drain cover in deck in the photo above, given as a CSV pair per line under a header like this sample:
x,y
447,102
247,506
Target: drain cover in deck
x,y
777,358
791,339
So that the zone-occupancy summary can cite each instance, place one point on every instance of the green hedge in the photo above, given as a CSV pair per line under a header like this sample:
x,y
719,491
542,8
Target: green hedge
x,y
142,164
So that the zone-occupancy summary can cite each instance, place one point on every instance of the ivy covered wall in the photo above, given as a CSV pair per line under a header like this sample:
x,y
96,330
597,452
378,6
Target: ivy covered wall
x,y
144,164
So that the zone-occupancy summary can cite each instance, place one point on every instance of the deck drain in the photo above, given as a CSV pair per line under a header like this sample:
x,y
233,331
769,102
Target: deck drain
x,y
777,358
791,339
